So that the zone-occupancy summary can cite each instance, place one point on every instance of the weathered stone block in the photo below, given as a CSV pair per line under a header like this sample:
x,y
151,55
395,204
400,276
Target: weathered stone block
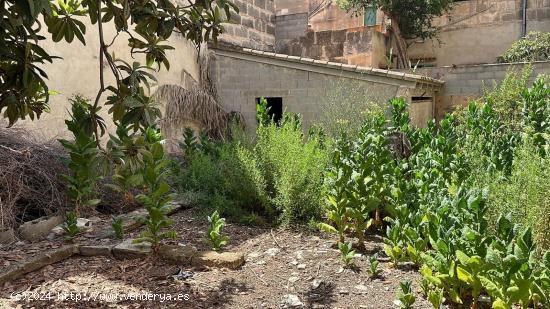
x,y
247,21
323,37
181,255
95,250
7,236
231,260
260,3
39,228
130,250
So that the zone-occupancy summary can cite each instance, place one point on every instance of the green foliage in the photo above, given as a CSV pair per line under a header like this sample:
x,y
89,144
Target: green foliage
x,y
347,254
524,194
157,194
436,298
414,17
292,167
506,97
117,226
69,226
215,237
24,91
83,156
374,271
262,112
225,176
535,46
536,113
405,295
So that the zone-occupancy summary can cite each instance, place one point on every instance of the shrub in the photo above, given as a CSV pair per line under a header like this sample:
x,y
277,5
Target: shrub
x,y
292,166
224,176
83,155
525,194
535,46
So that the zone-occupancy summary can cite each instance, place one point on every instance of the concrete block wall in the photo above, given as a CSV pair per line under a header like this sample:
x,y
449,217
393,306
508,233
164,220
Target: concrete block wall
x,y
253,27
240,82
291,26
464,83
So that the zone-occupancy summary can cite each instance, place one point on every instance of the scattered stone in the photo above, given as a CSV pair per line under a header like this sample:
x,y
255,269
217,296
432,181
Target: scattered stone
x,y
130,250
7,236
362,288
357,255
386,288
45,259
231,260
178,254
340,270
262,262
291,301
83,224
252,256
38,229
272,251
316,283
95,250
293,279
301,266
294,262
343,292
299,255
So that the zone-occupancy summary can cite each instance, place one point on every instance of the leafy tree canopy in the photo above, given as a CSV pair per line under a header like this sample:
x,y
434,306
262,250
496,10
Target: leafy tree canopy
x,y
414,17
25,24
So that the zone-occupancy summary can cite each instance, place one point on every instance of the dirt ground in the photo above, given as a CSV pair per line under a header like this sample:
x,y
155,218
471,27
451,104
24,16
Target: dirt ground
x,y
283,267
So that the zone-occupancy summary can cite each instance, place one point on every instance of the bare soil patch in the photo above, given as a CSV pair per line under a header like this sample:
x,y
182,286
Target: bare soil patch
x,y
283,266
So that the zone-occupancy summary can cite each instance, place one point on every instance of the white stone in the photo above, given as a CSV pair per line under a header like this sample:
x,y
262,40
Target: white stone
x,y
272,251
291,301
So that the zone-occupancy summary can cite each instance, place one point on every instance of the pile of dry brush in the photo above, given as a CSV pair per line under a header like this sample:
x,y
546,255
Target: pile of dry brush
x,y
30,185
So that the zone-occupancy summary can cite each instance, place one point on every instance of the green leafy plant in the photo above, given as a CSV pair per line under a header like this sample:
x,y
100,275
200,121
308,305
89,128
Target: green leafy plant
x,y
347,254
117,226
70,226
535,46
374,271
215,237
157,194
262,112
83,155
436,298
190,142
24,91
405,295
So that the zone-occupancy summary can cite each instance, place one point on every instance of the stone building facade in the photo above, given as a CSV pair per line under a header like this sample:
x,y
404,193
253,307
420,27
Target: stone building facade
x,y
479,31
253,27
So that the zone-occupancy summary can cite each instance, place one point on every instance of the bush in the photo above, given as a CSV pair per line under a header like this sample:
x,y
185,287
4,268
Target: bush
x,y
533,47
525,194
292,166
224,176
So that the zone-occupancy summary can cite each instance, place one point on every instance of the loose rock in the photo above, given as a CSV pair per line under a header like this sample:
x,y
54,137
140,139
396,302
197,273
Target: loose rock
x,y
129,250
231,260
291,301
38,229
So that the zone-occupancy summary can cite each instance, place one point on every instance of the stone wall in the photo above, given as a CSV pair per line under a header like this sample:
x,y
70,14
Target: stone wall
x,y
464,83
308,89
350,46
253,27
479,31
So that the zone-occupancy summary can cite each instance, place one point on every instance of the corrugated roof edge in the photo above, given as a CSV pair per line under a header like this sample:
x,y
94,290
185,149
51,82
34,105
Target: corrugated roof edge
x,y
340,66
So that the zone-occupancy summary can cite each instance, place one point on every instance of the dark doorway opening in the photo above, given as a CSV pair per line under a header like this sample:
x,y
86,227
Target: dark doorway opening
x,y
275,106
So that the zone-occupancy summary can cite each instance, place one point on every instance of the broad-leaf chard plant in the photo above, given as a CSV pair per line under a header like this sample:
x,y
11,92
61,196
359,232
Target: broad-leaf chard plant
x,y
214,234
